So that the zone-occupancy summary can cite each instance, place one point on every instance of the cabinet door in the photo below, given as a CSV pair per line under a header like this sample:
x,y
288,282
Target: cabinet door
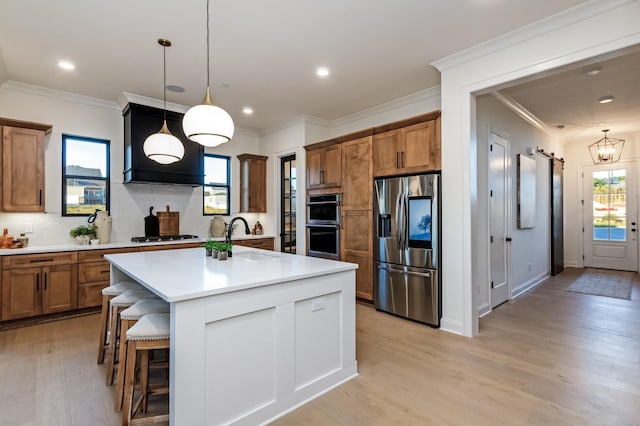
x,y
314,168
417,153
386,153
356,245
22,169
332,166
21,293
59,287
253,184
357,189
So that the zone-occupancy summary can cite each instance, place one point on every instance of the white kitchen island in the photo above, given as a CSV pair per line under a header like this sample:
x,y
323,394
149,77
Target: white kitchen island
x,y
252,337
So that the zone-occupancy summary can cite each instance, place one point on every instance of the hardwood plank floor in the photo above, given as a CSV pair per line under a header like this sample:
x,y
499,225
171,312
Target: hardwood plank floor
x,y
547,357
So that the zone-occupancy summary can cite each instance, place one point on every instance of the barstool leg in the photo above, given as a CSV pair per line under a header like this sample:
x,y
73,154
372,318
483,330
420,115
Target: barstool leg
x,y
128,383
122,351
113,340
104,316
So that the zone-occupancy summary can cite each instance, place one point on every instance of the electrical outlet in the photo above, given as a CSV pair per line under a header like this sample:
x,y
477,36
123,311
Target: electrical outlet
x,y
317,304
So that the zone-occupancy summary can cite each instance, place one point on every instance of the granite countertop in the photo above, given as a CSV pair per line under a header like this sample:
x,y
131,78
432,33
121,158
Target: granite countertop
x,y
121,244
177,275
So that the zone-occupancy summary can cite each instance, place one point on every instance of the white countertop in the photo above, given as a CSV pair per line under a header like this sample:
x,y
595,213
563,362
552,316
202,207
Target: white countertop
x,y
76,247
177,275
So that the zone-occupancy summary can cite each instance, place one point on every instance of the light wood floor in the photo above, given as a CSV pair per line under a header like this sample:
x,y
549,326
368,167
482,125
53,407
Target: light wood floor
x,y
549,357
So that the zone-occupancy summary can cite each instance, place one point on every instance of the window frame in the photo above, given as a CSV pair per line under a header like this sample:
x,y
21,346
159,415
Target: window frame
x,y
65,176
227,186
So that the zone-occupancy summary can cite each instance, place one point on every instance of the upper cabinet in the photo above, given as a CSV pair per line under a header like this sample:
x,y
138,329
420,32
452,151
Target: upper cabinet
x,y
324,167
253,183
410,149
23,165
357,182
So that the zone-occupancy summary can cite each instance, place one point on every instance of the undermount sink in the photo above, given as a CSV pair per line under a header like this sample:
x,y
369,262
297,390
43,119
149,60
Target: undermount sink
x,y
255,256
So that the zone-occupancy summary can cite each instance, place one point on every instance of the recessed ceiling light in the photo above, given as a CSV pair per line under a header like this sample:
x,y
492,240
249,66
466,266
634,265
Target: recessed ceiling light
x,y
605,99
593,71
175,88
247,110
66,65
322,71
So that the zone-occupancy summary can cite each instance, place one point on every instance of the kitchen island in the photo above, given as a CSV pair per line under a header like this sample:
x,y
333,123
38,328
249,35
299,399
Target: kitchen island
x,y
252,337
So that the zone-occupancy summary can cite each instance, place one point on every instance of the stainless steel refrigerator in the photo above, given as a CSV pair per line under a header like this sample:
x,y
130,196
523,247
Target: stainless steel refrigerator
x,y
407,247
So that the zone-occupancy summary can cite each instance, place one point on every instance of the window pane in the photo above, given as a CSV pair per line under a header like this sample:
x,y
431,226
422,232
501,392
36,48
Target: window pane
x,y
215,170
610,205
215,200
84,196
85,158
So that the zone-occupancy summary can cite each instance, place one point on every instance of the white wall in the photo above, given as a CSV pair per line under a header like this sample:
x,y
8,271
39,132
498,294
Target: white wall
x,y
577,156
528,245
82,116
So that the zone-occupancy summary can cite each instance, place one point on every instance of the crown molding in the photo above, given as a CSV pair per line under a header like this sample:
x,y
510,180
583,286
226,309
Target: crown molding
x,y
523,113
297,121
562,19
125,97
417,97
32,89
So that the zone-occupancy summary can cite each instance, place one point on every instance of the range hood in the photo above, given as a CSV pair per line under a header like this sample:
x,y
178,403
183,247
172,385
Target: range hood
x,y
140,121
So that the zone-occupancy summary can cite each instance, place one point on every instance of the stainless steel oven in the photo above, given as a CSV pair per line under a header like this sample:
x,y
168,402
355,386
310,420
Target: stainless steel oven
x,y
323,240
323,226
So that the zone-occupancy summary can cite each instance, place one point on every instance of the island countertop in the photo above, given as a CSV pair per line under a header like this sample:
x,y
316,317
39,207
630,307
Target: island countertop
x,y
178,275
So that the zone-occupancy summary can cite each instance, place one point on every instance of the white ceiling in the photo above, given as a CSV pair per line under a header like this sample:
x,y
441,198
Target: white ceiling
x,y
264,53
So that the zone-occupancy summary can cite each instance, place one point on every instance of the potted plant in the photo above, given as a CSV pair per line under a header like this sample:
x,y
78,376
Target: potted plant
x,y
211,247
223,250
83,233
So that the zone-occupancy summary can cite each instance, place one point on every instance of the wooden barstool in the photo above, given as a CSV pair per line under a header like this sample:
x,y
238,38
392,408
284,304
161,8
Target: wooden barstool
x,y
117,305
109,293
151,332
128,318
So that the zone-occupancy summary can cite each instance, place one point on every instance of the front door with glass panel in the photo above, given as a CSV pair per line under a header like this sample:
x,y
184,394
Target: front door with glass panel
x,y
610,217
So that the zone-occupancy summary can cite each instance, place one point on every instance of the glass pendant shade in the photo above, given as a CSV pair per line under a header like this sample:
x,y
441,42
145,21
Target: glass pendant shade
x,y
208,124
163,147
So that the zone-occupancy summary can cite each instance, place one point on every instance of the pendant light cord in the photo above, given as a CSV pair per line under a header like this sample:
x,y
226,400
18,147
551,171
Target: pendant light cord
x,y
164,87
208,44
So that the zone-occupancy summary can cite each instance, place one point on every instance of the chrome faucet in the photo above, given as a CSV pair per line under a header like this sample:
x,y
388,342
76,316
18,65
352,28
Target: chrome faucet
x,y
230,230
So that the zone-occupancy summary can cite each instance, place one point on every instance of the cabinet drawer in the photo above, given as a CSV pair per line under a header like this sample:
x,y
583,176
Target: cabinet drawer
x,y
262,243
90,294
172,246
93,271
41,259
98,255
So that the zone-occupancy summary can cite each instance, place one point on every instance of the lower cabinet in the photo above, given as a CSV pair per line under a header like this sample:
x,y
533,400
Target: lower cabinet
x,y
259,243
93,275
28,292
356,247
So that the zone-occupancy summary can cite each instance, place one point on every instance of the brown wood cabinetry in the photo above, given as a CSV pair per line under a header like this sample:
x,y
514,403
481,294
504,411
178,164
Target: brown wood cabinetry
x,y
411,149
357,181
39,284
324,167
356,246
259,243
22,169
253,183
94,275
171,246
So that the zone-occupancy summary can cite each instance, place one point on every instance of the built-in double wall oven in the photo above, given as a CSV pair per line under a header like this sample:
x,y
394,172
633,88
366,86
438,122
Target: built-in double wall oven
x,y
323,226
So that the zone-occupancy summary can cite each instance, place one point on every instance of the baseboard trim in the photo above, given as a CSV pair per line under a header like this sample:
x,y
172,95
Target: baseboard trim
x,y
42,319
528,285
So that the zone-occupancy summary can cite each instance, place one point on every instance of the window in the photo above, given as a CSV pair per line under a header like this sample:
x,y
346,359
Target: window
x,y
85,175
216,190
610,205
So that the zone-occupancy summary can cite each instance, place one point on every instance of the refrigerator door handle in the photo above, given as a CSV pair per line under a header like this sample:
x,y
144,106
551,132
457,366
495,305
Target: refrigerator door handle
x,y
398,224
402,271
403,219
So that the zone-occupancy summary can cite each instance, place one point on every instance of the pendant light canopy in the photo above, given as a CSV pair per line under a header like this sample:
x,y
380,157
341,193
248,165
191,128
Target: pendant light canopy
x,y
163,147
606,150
207,124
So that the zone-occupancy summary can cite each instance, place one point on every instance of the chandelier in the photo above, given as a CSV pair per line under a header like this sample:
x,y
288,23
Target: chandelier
x,y
606,150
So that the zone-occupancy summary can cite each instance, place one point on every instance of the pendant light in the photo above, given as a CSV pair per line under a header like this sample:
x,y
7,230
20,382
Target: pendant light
x,y
163,147
606,150
206,123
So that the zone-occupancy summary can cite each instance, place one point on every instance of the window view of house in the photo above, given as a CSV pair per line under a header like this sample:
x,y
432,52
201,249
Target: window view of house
x,y
85,175
216,190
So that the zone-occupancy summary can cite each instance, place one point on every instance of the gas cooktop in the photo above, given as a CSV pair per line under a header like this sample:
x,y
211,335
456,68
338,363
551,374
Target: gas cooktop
x,y
163,238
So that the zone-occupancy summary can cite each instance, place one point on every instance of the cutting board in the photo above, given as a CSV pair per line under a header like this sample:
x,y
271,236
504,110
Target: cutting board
x,y
169,222
151,225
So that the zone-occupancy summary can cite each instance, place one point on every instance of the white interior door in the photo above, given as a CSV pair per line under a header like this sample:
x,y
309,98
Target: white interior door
x,y
610,216
498,218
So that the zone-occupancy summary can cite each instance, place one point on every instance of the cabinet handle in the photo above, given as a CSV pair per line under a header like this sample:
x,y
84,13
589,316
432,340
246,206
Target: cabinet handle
x,y
105,272
402,158
321,176
45,280
40,198
49,259
38,281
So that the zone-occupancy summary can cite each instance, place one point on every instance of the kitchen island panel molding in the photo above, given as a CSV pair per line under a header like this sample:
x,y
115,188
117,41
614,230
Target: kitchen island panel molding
x,y
259,348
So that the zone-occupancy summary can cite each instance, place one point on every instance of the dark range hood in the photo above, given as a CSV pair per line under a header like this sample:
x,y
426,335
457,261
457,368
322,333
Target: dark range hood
x,y
140,121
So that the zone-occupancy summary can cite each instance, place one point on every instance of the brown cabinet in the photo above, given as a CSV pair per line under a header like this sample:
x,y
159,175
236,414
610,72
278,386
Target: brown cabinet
x,y
324,167
22,169
39,284
94,275
411,149
356,246
357,180
260,243
171,246
253,183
